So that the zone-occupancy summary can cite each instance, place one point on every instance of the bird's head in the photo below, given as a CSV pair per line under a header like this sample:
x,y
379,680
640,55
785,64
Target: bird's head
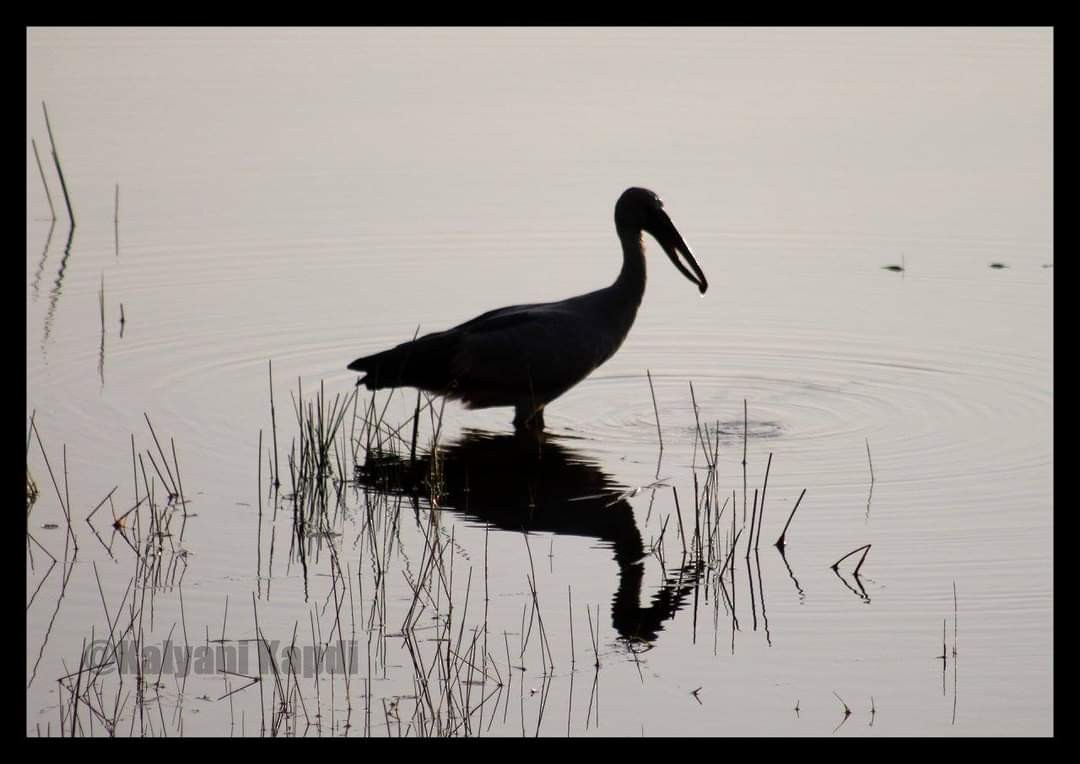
x,y
639,209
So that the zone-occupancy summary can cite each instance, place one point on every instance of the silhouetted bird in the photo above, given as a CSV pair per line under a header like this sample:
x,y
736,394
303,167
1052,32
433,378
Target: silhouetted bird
x,y
526,356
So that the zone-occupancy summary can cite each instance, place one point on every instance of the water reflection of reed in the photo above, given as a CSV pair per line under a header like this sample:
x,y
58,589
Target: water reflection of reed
x,y
55,296
58,285
160,562
459,686
523,484
35,289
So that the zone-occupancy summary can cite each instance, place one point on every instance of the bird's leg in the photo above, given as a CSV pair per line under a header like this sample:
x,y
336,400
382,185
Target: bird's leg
x,y
527,418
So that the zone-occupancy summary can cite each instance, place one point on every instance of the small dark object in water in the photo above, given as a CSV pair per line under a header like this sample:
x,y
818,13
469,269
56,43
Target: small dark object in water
x,y
893,268
999,266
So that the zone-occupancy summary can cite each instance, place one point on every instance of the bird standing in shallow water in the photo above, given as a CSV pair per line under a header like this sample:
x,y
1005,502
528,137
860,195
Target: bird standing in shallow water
x,y
526,356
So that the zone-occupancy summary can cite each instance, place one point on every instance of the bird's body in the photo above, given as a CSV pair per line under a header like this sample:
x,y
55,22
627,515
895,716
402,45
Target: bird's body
x,y
525,356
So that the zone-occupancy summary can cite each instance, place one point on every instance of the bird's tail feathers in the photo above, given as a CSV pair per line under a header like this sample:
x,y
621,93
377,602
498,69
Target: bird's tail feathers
x,y
422,363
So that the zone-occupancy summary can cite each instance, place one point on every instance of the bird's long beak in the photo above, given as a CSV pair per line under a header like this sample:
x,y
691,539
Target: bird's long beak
x,y
674,245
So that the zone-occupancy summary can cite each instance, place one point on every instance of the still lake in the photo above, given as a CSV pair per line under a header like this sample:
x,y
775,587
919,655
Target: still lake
x,y
307,196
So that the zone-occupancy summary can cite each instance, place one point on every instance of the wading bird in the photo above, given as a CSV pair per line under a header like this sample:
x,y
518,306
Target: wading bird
x,y
526,356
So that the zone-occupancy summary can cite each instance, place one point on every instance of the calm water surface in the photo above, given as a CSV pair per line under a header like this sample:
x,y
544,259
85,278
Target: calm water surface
x,y
308,196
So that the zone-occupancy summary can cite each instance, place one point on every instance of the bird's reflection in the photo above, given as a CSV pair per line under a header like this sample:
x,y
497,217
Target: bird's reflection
x,y
524,483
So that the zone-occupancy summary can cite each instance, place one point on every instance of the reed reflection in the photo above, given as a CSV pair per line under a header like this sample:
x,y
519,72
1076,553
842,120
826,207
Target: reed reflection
x,y
58,285
530,484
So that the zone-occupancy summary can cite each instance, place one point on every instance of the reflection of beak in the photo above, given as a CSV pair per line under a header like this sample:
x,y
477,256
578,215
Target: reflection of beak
x,y
674,246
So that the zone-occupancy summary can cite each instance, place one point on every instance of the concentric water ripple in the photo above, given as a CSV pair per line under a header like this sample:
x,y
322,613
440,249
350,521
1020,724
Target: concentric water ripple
x,y
829,398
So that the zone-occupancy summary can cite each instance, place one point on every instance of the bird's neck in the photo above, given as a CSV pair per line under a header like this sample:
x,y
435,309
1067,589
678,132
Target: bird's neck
x,y
630,285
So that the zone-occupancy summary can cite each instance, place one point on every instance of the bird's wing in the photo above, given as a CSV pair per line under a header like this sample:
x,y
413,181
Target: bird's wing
x,y
511,354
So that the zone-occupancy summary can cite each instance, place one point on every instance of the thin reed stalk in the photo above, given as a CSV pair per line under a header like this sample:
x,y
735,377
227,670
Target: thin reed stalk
x,y
59,169
656,410
865,549
273,425
746,427
761,509
41,172
780,541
